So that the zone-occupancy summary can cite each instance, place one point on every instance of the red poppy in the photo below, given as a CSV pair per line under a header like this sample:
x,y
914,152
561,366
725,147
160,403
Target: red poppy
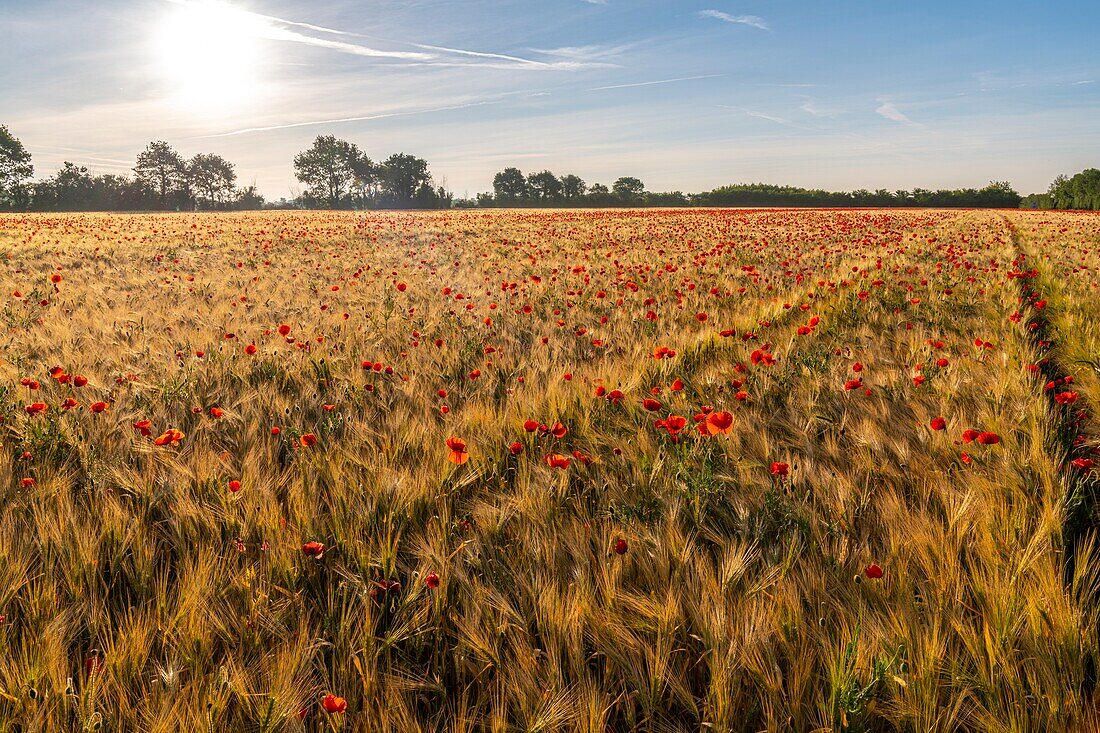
x,y
284,329
857,367
780,469
458,454
620,546
171,436
938,423
988,438
234,486
36,408
431,580
530,425
313,549
250,349
557,460
216,412
970,434
852,384
26,483
333,704
719,422
308,440
1066,398
1083,464
98,406
515,448
651,404
873,571
145,427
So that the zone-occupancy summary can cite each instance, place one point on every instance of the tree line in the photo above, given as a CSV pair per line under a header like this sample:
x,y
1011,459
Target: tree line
x,y
511,188
338,175
1081,191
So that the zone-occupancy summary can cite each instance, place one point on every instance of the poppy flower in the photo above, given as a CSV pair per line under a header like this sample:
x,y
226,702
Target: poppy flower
x,y
988,438
938,423
620,546
970,434
431,580
284,329
36,408
250,349
171,436
651,404
26,483
308,440
1066,398
234,486
313,549
873,571
558,430
530,425
515,448
719,422
144,427
98,406
216,412
857,367
852,384
55,278
458,454
1083,464
275,430
333,704
677,385
557,460
780,469
69,403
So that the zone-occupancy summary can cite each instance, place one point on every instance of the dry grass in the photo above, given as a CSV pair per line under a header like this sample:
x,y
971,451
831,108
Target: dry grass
x,y
140,593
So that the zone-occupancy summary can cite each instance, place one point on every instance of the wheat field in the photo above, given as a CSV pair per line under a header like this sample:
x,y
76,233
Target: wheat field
x,y
756,470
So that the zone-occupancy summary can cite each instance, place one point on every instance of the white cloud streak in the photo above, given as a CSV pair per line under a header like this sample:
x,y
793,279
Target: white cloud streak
x,y
887,109
750,20
651,83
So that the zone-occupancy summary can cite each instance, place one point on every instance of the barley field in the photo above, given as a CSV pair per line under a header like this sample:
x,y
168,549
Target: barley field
x,y
726,470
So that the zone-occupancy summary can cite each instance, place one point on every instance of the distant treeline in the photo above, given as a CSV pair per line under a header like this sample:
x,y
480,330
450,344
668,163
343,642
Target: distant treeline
x,y
338,175
512,189
1082,191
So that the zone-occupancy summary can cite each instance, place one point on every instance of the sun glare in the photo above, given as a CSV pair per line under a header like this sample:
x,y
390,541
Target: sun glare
x,y
208,55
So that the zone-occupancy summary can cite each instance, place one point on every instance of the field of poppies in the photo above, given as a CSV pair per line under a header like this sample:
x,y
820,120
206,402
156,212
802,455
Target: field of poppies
x,y
540,471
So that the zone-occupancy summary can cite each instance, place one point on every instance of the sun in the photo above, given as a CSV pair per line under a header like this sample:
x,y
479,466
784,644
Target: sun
x,y
208,55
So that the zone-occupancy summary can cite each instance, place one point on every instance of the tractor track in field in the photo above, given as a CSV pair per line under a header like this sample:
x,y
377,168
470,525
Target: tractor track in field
x,y
1069,439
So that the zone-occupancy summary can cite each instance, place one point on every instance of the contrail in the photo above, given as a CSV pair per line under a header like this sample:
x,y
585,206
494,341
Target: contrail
x,y
650,83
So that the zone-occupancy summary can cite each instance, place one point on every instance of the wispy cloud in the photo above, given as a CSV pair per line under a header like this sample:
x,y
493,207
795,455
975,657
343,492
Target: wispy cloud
x,y
651,83
751,20
340,120
887,109
280,29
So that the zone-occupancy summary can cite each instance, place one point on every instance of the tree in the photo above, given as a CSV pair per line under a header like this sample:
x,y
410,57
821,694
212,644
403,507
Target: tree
x,y
73,187
15,168
543,186
403,178
365,179
212,179
628,188
572,187
163,171
329,169
248,199
510,186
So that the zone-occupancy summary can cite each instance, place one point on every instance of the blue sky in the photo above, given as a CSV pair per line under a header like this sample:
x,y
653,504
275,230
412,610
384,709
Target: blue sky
x,y
685,95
